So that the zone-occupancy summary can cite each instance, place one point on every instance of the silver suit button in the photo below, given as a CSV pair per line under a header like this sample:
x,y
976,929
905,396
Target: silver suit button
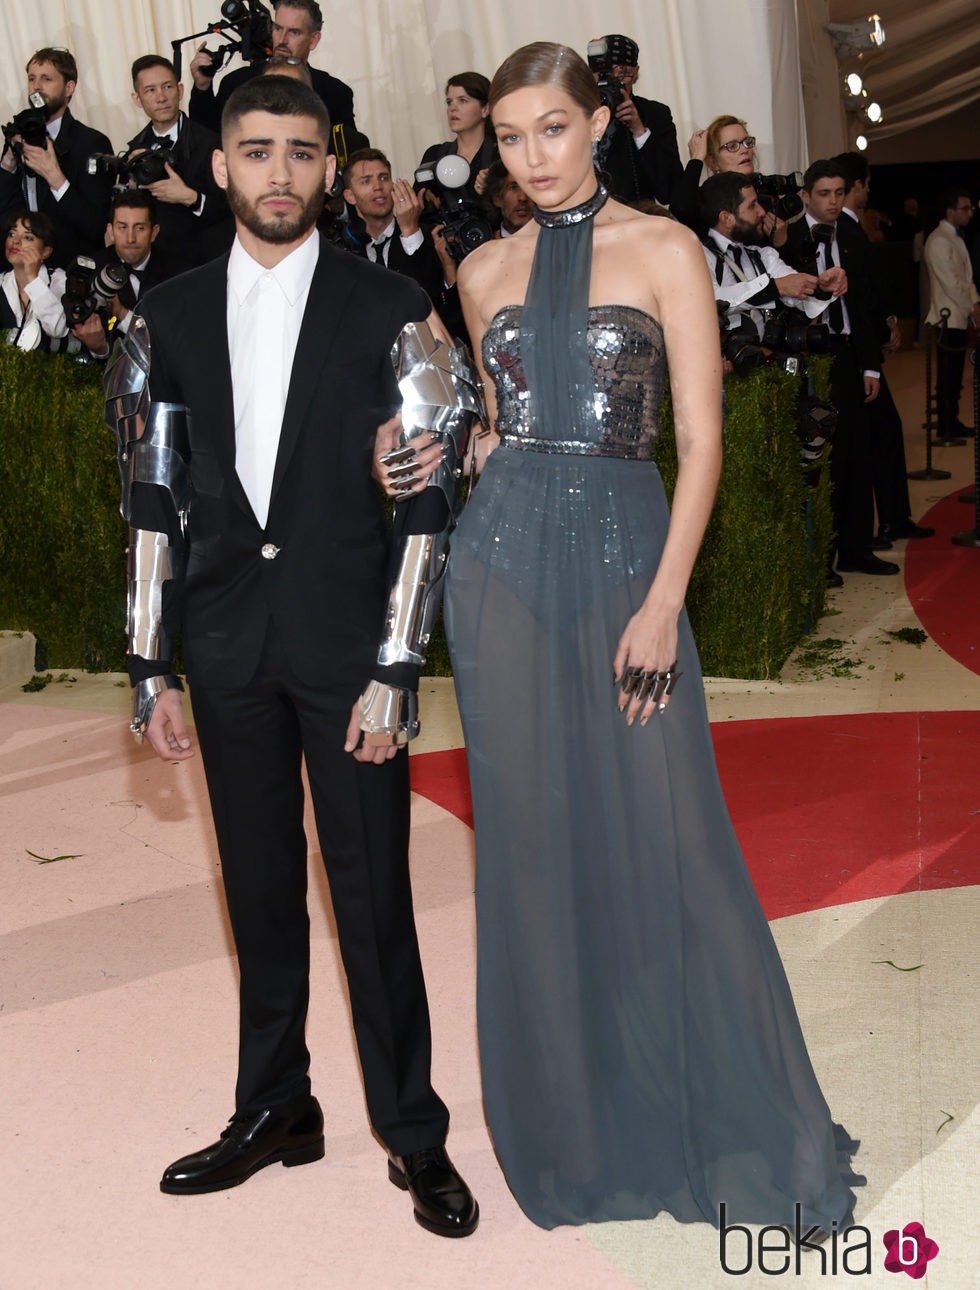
x,y
269,551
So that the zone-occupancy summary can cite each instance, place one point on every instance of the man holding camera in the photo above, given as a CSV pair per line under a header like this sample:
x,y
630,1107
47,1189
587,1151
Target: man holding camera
x,y
749,274
813,245
194,220
390,212
296,32
48,172
642,160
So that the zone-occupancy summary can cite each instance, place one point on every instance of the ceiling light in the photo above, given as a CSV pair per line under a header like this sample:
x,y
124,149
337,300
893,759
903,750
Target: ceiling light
x,y
873,112
861,142
853,83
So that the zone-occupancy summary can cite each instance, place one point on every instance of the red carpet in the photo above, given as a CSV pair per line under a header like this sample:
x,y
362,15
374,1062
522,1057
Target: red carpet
x,y
943,582
828,809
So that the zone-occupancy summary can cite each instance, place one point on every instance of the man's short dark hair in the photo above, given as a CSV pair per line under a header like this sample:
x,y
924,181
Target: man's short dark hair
x,y
825,168
278,95
62,60
36,221
854,168
950,198
308,6
363,154
133,199
146,61
722,192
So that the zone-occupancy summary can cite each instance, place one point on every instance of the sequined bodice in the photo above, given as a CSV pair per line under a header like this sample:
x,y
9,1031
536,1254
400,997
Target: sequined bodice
x,y
626,350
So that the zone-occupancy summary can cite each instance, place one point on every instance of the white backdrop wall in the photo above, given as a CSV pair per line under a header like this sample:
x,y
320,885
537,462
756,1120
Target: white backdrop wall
x,y
701,57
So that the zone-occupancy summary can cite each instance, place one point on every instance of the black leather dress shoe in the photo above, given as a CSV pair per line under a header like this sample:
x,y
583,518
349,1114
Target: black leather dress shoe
x,y
960,431
834,579
867,564
904,529
881,544
443,1202
247,1146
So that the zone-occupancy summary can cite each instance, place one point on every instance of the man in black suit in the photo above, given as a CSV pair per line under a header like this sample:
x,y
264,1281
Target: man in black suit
x,y
195,223
296,32
269,372
815,243
54,179
889,469
388,231
642,161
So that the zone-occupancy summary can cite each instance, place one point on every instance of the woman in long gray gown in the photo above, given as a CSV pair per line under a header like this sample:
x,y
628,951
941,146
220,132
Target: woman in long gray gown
x,y
639,1044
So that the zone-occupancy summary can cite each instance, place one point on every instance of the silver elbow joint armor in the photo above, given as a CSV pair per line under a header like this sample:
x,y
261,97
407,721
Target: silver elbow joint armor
x,y
440,393
153,451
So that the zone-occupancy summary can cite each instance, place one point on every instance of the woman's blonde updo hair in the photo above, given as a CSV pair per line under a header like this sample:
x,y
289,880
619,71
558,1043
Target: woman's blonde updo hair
x,y
546,63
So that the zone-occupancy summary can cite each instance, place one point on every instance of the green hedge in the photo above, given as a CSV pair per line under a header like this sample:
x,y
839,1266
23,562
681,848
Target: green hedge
x,y
757,588
62,539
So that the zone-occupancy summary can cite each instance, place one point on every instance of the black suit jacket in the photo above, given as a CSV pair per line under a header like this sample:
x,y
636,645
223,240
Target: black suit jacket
x,y
423,267
879,309
158,269
326,588
80,217
801,252
650,172
185,238
206,105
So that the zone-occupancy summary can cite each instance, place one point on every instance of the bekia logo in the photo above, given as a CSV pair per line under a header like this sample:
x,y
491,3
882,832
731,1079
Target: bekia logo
x,y
909,1250
776,1249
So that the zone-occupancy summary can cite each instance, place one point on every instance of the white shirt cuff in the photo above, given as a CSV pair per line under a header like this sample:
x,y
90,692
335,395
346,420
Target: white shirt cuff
x,y
640,139
413,242
58,193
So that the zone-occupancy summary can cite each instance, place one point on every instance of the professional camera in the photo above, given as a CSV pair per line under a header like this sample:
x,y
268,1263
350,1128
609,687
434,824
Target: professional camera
x,y
788,331
88,290
740,342
780,194
602,56
31,125
465,223
249,19
144,169
816,422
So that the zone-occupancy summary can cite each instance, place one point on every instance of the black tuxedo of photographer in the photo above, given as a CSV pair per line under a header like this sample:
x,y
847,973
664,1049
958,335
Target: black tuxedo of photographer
x,y
651,170
206,105
888,465
854,375
79,216
190,235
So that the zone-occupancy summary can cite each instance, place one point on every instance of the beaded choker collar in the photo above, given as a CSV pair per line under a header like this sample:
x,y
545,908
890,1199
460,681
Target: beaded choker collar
x,y
575,214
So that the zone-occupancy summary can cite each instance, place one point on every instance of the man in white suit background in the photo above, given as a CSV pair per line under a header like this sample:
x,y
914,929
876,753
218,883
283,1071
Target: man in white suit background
x,y
951,287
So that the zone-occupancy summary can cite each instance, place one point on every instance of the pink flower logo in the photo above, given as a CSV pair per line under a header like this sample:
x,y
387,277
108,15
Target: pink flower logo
x,y
909,1250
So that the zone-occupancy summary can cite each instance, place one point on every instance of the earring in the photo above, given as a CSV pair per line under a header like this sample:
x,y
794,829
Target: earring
x,y
595,153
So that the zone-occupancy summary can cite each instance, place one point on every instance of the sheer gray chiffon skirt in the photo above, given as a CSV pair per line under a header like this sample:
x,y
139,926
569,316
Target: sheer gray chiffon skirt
x,y
640,1048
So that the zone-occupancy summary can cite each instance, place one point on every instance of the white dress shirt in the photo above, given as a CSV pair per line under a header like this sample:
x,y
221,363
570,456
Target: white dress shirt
x,y
265,313
738,286
410,244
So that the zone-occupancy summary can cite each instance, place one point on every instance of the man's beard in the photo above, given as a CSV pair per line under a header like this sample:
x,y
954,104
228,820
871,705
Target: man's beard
x,y
281,226
54,104
747,234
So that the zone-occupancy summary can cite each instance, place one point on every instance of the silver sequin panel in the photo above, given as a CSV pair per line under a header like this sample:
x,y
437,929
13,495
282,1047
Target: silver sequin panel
x,y
625,345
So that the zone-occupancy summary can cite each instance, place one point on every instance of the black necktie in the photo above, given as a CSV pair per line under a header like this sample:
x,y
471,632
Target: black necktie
x,y
835,310
379,249
736,255
755,260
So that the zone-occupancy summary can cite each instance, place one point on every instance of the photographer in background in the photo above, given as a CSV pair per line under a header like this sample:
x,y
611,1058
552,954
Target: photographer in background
x,y
296,31
889,469
509,199
31,313
748,274
640,145
48,173
194,220
812,246
388,231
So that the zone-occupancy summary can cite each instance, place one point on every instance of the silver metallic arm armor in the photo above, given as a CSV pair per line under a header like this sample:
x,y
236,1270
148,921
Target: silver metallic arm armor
x,y
153,451
440,393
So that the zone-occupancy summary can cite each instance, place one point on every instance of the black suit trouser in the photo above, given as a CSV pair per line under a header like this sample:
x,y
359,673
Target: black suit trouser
x,y
888,466
950,358
851,485
253,741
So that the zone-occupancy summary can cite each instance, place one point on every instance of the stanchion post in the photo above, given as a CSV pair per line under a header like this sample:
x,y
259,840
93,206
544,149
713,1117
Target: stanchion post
x,y
943,347
930,472
971,537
